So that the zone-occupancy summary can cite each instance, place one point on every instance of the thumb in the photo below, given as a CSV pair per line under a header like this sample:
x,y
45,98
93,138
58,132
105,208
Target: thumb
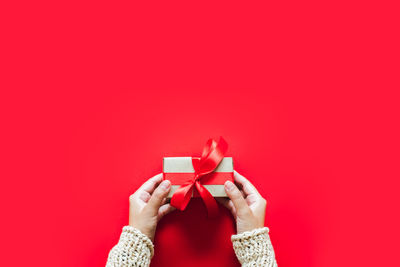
x,y
241,207
156,199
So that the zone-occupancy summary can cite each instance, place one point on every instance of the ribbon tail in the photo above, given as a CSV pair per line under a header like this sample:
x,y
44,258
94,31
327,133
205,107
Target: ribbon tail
x,y
208,199
181,197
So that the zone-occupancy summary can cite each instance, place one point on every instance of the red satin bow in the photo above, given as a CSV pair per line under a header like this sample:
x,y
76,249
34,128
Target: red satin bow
x,y
213,153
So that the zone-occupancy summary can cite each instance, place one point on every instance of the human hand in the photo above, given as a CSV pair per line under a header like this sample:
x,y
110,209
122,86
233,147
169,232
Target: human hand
x,y
147,205
245,203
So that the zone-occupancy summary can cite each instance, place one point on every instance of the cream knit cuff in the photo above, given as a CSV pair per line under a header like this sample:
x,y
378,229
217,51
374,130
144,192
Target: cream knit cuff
x,y
133,249
254,248
136,238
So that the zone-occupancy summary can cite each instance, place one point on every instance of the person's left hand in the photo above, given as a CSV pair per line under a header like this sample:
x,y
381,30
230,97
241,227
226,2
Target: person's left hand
x,y
147,205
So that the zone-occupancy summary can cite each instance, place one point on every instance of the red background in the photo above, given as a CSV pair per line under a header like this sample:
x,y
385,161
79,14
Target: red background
x,y
94,94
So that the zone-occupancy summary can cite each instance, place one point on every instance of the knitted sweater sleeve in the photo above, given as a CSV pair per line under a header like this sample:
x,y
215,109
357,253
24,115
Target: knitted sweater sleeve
x,y
254,248
134,249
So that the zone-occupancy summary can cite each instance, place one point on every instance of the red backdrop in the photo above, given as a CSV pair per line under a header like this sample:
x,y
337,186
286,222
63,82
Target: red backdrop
x,y
94,94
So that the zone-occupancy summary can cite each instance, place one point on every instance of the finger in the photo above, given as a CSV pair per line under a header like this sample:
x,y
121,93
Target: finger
x,y
227,203
164,210
238,201
152,183
247,187
144,196
158,196
241,190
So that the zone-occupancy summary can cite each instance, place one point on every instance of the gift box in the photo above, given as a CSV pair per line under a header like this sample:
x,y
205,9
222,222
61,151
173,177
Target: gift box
x,y
178,170
199,177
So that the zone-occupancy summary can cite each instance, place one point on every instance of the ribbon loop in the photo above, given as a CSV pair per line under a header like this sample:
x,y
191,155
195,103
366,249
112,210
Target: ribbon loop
x,y
211,157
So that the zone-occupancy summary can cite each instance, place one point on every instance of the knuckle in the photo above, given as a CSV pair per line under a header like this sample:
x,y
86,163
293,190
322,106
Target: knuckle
x,y
158,195
236,193
264,201
236,198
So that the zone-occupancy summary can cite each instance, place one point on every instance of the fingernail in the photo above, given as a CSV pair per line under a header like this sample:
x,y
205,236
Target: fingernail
x,y
229,185
165,185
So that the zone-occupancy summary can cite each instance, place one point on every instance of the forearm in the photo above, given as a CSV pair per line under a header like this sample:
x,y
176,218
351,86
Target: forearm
x,y
133,249
254,248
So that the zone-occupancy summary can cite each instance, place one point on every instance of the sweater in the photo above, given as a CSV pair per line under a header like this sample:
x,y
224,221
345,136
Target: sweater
x,y
135,249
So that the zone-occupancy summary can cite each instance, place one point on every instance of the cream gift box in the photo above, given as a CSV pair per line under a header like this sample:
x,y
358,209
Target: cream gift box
x,y
180,170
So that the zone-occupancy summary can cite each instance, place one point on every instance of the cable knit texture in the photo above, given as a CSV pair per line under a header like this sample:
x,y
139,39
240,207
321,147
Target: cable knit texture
x,y
133,249
254,248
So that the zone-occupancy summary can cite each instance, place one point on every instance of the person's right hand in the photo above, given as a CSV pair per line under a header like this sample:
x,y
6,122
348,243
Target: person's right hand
x,y
245,203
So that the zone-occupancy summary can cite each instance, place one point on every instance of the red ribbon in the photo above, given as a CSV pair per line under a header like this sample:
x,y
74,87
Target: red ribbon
x,y
213,153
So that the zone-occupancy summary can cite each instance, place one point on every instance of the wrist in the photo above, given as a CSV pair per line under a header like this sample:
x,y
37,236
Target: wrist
x,y
248,224
144,229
